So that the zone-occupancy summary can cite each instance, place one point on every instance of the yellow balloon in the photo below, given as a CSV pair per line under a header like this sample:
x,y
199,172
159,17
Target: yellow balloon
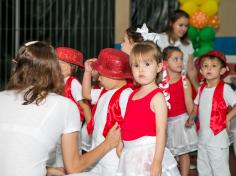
x,y
199,2
189,7
210,7
182,1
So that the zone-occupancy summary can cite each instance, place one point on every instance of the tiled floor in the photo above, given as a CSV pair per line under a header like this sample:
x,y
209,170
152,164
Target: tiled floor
x,y
232,161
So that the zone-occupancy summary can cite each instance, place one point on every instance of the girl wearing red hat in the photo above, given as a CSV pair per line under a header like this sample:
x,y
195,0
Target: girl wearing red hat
x,y
145,122
70,60
110,102
214,96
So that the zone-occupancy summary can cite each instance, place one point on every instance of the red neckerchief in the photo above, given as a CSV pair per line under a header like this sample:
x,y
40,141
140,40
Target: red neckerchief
x,y
68,94
113,112
218,111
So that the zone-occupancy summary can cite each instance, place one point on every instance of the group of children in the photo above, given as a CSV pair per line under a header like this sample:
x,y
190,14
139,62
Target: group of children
x,y
131,93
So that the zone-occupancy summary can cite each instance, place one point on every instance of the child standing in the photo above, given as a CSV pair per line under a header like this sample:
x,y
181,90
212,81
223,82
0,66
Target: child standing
x,y
144,125
180,140
70,60
211,106
110,101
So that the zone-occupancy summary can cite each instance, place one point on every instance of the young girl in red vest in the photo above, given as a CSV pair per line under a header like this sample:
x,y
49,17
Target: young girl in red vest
x,y
145,122
70,60
180,140
211,107
110,101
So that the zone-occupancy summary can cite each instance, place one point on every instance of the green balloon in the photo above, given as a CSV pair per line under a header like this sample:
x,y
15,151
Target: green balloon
x,y
207,34
204,49
192,33
210,44
195,44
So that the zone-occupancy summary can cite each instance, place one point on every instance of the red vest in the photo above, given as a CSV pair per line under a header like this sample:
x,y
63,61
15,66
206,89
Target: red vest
x,y
218,111
68,94
113,112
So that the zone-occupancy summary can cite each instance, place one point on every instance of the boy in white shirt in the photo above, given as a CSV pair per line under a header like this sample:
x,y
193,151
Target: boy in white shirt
x,y
214,96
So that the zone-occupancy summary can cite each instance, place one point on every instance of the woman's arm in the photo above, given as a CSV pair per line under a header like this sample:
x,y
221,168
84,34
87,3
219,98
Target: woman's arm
x,y
188,96
74,162
158,105
192,73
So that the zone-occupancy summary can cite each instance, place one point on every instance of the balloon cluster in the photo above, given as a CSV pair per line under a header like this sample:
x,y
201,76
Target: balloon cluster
x,y
203,23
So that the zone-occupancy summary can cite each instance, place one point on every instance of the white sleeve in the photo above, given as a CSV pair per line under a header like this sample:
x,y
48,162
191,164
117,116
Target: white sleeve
x,y
229,95
163,41
71,118
190,48
124,97
76,90
95,95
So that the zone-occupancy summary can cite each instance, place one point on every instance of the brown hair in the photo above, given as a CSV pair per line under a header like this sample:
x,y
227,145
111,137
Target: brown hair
x,y
168,50
134,36
37,71
169,30
150,50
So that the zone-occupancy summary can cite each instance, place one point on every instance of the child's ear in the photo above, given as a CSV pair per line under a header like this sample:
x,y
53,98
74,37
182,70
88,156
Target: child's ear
x,y
222,71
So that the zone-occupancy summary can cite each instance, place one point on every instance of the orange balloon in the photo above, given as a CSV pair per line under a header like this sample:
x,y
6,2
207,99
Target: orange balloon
x,y
199,19
214,22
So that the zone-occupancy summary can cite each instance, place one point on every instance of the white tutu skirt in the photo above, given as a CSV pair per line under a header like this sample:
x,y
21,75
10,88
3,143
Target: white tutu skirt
x,y
181,140
137,157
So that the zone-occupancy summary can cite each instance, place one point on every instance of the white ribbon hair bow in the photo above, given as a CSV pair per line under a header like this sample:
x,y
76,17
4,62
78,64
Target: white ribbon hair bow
x,y
148,36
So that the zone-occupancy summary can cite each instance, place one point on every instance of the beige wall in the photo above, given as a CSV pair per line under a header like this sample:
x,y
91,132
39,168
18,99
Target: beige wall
x,y
122,18
227,15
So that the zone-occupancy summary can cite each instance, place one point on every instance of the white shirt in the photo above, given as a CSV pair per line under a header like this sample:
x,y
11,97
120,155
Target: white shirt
x,y
186,49
76,89
206,136
100,118
29,132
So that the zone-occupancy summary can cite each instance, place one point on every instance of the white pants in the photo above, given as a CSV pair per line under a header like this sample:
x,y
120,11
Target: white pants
x,y
213,161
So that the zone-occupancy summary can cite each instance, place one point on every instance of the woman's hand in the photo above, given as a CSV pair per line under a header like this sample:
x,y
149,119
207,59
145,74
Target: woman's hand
x,y
113,136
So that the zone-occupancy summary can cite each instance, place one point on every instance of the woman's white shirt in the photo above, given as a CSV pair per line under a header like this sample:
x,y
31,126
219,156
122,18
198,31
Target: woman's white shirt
x,y
29,132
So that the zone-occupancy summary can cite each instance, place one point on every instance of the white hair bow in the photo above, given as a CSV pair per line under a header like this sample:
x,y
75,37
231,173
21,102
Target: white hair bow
x,y
148,36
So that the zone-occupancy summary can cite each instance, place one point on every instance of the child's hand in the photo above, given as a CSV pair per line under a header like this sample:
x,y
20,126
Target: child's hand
x,y
156,169
189,123
87,64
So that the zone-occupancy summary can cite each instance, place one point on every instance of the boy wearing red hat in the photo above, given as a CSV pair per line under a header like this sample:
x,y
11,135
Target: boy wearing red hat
x,y
70,60
110,102
214,96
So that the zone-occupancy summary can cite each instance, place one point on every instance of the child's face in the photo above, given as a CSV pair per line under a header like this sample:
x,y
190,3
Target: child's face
x,y
65,68
126,45
107,83
145,70
211,69
180,26
175,62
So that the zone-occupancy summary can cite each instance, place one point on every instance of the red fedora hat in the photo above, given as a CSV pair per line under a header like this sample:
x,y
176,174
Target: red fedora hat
x,y
70,55
113,63
219,55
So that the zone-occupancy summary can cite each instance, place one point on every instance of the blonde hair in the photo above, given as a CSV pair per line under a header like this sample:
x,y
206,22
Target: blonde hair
x,y
37,71
147,50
